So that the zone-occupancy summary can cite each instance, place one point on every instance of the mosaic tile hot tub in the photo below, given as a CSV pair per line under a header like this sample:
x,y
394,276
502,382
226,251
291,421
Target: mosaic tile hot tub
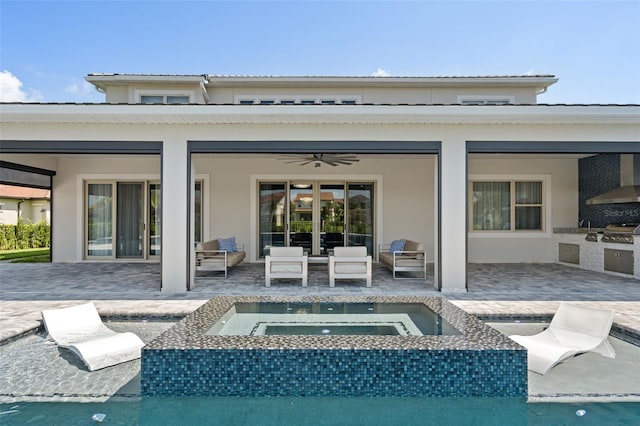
x,y
472,360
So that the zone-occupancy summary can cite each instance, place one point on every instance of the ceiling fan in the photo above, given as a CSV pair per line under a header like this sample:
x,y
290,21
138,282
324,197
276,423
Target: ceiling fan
x,y
317,159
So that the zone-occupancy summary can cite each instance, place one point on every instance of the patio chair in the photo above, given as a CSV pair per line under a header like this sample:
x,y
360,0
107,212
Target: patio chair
x,y
80,329
219,255
573,330
349,263
402,256
285,262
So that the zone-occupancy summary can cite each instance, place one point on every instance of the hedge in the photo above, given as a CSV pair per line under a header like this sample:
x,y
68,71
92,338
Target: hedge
x,y
25,235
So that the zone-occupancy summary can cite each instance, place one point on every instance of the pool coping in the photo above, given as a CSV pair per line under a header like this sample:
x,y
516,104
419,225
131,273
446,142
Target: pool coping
x,y
189,333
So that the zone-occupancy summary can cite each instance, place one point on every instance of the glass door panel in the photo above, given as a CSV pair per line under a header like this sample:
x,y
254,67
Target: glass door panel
x,y
99,219
331,217
130,223
301,216
155,219
360,215
272,226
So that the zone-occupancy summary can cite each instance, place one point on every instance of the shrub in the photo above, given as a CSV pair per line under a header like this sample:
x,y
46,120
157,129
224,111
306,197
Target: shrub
x,y
25,235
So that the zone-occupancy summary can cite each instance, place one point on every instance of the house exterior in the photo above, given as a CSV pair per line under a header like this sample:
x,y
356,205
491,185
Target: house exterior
x,y
29,204
472,167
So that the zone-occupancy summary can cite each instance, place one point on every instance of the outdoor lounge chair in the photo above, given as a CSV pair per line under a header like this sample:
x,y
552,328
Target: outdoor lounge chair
x,y
285,262
349,263
573,330
80,329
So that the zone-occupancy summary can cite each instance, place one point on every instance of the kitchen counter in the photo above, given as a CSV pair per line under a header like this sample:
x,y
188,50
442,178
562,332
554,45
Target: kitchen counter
x,y
590,254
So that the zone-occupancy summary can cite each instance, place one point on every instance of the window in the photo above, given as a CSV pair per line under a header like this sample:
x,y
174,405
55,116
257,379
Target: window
x,y
161,99
300,99
485,100
163,96
509,205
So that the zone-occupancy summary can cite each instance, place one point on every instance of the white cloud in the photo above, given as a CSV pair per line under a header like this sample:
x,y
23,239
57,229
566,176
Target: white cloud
x,y
380,73
530,72
81,88
11,90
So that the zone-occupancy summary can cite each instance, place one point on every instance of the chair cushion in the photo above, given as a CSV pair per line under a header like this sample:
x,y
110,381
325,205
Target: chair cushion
x,y
234,258
228,244
356,251
396,245
289,267
351,268
401,262
210,245
285,251
386,258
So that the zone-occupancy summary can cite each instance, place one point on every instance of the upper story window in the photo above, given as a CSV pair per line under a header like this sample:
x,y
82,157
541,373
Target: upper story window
x,y
164,97
507,205
299,99
485,100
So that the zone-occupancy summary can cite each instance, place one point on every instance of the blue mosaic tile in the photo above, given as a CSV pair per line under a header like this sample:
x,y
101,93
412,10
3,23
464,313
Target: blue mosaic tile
x,y
596,175
480,363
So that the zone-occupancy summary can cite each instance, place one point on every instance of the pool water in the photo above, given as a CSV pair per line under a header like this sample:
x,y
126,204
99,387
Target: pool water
x,y
334,318
331,329
321,411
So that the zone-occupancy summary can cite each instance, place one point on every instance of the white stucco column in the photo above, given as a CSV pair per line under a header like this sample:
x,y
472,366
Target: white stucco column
x,y
174,216
453,199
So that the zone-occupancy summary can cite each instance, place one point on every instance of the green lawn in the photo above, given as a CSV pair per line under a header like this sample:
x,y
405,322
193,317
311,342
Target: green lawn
x,y
25,255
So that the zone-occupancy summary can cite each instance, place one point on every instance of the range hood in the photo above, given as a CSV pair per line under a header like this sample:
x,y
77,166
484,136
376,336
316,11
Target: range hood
x,y
629,189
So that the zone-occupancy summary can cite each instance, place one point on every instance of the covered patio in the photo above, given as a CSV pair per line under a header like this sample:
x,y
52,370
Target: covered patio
x,y
140,281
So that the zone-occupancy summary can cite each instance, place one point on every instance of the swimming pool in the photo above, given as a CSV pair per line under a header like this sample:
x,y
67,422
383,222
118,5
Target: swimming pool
x,y
331,318
322,411
471,360
52,373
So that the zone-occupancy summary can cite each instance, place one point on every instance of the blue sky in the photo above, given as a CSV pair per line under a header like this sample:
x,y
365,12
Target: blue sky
x,y
593,47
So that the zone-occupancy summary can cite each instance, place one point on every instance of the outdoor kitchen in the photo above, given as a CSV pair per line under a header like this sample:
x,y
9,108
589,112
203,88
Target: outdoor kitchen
x,y
607,238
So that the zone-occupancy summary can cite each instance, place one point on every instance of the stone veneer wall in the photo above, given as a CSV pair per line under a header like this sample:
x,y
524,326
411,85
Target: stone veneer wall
x,y
480,363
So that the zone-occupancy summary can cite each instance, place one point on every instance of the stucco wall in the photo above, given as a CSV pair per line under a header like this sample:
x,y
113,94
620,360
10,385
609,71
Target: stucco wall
x,y
68,208
411,95
404,192
528,247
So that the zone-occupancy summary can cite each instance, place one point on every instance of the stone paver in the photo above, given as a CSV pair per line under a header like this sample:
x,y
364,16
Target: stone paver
x,y
132,289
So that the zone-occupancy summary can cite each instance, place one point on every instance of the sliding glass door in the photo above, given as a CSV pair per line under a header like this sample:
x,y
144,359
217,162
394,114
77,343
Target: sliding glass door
x,y
99,220
315,215
130,220
123,220
272,202
301,216
360,215
331,217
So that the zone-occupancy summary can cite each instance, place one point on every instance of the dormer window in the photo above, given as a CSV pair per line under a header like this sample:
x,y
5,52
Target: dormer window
x,y
485,100
297,100
168,97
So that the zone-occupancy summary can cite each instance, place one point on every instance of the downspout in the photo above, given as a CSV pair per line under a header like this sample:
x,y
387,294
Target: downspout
x,y
205,95
19,203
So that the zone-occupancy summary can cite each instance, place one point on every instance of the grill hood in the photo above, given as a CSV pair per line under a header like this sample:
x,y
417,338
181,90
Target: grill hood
x,y
629,189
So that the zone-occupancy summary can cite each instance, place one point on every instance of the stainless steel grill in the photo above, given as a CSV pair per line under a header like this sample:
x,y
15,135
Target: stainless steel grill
x,y
620,233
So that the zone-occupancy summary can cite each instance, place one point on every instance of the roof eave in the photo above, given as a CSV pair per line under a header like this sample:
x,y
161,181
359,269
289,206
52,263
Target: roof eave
x,y
333,114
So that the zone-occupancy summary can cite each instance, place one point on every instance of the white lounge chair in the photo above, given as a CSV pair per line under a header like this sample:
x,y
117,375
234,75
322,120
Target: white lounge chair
x,y
573,330
285,262
349,263
80,329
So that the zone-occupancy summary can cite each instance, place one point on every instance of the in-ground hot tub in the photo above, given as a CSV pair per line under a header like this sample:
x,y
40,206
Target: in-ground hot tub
x,y
420,346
